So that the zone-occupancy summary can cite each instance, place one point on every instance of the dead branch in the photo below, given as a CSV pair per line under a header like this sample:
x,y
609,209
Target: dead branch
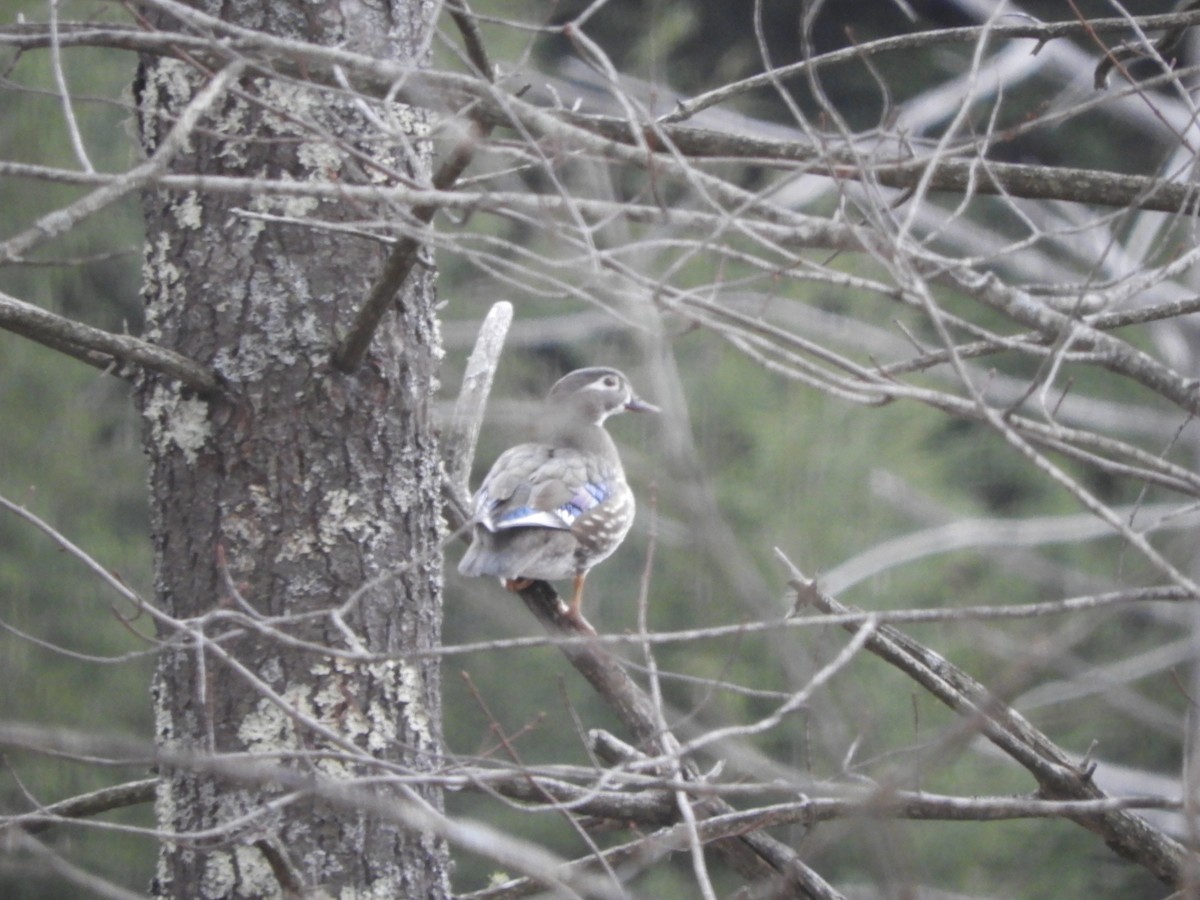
x,y
1058,776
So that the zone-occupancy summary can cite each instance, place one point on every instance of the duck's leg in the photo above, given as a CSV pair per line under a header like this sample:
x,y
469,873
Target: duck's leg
x,y
574,610
516,584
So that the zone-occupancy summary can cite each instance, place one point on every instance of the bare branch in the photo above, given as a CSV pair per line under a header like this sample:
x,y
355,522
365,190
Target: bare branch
x,y
72,874
1042,32
846,250
62,220
100,348
489,110
118,796
1058,776
463,432
757,856
350,352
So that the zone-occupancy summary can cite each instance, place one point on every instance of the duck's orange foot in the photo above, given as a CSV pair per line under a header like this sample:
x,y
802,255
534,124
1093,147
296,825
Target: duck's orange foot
x,y
517,584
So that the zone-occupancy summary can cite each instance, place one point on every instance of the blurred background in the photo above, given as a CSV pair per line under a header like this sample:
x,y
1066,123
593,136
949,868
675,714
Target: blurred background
x,y
743,460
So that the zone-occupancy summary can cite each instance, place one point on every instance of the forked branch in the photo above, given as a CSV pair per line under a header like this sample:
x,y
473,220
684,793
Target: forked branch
x,y
1058,776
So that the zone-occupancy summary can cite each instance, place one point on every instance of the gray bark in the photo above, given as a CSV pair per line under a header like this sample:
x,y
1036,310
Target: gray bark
x,y
297,487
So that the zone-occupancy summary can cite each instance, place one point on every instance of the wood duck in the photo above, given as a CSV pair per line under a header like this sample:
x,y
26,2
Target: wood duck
x,y
553,509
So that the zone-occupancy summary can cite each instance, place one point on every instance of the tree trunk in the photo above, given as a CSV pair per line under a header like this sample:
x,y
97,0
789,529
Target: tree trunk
x,y
302,489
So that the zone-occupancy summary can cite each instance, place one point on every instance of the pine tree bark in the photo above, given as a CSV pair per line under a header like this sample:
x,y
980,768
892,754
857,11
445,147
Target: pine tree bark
x,y
300,488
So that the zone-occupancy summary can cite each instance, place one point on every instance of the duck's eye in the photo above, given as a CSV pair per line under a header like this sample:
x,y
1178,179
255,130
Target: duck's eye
x,y
610,381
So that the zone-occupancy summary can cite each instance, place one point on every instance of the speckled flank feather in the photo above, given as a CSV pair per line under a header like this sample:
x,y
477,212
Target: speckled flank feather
x,y
554,509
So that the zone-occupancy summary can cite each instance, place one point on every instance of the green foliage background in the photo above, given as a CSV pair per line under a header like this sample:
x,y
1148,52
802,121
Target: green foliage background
x,y
787,467
70,453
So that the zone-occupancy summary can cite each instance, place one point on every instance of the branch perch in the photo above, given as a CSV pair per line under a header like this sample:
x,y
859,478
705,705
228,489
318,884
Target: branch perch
x,y
756,855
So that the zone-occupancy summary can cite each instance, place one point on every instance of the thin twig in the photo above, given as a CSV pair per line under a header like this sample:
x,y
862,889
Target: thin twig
x,y
404,254
62,220
1057,775
757,856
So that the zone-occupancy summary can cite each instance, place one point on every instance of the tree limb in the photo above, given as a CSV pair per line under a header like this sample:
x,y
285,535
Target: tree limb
x,y
757,856
490,110
101,348
1058,776
353,347
462,434
118,796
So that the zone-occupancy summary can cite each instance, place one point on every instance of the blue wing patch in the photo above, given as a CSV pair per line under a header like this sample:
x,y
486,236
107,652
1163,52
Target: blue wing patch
x,y
587,497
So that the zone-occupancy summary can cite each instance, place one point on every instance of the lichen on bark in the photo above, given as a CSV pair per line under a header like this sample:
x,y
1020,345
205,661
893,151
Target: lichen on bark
x,y
298,488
